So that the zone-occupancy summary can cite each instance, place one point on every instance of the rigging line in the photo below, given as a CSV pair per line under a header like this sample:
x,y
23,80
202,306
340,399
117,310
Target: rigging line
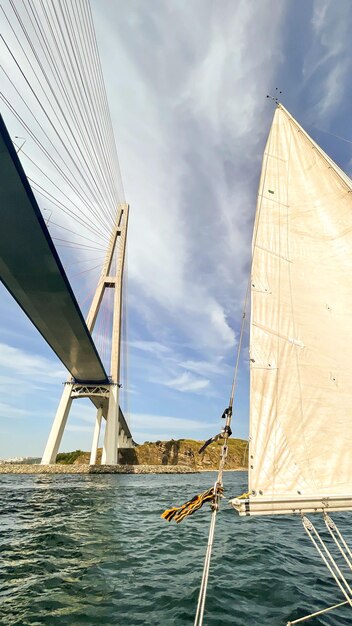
x,y
102,236
50,158
80,83
333,530
47,80
243,323
62,208
332,134
86,68
43,109
95,82
216,505
326,610
219,482
104,95
332,565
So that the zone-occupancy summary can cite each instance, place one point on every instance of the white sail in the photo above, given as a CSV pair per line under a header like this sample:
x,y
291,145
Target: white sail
x,y
301,326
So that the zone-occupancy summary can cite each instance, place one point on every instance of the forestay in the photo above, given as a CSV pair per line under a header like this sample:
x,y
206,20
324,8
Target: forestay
x,y
301,330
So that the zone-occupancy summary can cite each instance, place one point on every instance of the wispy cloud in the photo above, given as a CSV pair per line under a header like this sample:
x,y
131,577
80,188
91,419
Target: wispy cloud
x,y
7,410
150,346
187,95
328,61
206,368
29,366
187,382
78,428
149,427
188,229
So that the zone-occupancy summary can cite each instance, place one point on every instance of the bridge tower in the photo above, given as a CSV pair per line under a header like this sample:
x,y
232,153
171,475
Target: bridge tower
x,y
105,397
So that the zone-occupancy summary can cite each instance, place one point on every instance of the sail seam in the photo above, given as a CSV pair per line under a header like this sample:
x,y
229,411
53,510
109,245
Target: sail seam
x,y
280,256
274,156
273,200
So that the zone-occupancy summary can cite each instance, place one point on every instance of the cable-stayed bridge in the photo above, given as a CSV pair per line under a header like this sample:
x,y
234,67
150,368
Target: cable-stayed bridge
x,y
77,175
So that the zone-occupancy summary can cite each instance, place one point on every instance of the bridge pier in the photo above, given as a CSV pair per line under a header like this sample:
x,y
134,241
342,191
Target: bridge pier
x,y
105,395
111,437
58,427
95,442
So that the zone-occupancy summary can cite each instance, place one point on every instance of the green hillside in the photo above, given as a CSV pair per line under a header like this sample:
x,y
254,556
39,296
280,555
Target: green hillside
x,y
174,452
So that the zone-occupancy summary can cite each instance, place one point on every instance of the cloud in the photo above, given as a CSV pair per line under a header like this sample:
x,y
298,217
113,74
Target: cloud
x,y
29,366
150,346
215,367
187,97
149,427
76,428
186,128
6,410
186,382
328,61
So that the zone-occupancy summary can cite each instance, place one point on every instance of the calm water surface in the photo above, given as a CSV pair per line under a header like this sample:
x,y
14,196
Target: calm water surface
x,y
89,550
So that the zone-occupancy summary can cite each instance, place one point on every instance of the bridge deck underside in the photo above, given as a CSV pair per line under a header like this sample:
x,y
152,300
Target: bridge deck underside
x,y
32,272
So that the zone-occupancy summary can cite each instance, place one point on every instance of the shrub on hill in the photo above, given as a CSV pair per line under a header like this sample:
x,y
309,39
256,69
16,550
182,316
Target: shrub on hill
x,y
67,458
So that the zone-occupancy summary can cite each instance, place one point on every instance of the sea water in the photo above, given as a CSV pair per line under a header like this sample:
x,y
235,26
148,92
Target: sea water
x,y
92,550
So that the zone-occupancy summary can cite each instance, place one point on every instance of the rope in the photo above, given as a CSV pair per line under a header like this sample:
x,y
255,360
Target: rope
x,y
332,528
178,513
326,132
218,486
309,528
307,617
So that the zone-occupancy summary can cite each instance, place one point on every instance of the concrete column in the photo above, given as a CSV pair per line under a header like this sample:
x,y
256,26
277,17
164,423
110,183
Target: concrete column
x,y
58,427
111,428
95,442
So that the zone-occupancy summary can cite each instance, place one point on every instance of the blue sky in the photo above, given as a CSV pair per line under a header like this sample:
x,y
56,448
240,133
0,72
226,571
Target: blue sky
x,y
187,85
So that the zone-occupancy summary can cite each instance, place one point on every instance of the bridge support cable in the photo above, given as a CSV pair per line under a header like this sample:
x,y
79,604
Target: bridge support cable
x,y
54,88
52,59
32,272
60,52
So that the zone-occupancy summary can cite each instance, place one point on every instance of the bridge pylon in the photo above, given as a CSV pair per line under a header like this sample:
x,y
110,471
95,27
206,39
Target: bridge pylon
x,y
104,396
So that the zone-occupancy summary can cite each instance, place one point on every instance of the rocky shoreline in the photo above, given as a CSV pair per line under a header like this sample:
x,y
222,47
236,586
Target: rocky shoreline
x,y
18,468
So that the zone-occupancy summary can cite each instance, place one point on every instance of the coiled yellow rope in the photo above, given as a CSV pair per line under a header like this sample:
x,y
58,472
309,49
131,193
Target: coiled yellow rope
x,y
188,508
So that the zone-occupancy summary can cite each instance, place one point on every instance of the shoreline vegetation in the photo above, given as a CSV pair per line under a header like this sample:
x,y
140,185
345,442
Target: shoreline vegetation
x,y
179,456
